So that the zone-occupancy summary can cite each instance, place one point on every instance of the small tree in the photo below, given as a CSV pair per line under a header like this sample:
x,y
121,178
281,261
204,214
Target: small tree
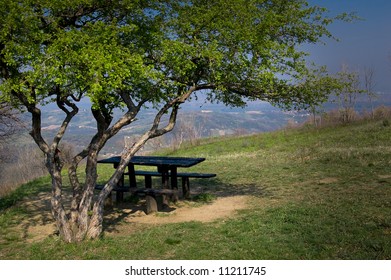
x,y
128,54
318,82
369,85
9,123
347,92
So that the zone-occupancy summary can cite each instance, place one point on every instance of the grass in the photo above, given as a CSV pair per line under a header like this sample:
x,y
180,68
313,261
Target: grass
x,y
316,194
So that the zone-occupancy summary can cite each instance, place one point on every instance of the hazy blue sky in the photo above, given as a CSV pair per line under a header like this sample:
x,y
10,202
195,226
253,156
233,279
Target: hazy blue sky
x,y
363,43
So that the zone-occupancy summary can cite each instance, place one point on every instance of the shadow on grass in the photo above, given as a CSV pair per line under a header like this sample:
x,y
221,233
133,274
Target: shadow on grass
x,y
29,218
26,190
39,219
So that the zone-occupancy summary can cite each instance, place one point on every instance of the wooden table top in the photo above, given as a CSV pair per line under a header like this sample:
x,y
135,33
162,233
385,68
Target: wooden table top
x,y
157,161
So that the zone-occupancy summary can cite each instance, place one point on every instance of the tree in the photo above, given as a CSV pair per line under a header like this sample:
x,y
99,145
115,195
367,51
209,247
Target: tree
x,y
347,92
9,123
131,54
317,82
369,86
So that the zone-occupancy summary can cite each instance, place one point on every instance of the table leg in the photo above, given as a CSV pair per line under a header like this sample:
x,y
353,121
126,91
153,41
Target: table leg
x,y
165,171
174,182
174,178
165,176
186,187
148,181
132,176
120,195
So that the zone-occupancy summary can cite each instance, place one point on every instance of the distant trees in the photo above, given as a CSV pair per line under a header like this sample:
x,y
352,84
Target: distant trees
x,y
190,128
369,85
347,92
9,123
347,87
18,164
318,81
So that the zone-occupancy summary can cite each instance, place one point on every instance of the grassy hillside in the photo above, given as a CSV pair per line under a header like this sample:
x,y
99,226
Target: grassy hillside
x,y
315,194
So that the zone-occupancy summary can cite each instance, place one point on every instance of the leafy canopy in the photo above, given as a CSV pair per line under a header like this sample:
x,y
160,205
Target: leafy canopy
x,y
154,50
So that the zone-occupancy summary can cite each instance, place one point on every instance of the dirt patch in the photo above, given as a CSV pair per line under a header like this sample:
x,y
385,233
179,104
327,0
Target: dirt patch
x,y
220,208
39,223
134,220
328,180
40,232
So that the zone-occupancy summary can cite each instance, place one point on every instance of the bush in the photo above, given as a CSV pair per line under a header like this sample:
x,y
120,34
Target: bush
x,y
338,117
381,113
26,164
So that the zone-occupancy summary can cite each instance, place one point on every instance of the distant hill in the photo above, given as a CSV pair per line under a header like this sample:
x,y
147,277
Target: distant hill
x,y
197,118
206,120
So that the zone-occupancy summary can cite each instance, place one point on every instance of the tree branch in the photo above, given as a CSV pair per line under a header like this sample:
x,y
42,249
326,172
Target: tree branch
x,y
174,104
36,121
69,115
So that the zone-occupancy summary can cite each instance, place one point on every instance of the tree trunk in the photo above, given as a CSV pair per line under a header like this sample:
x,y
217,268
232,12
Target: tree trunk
x,y
95,224
88,194
76,187
58,211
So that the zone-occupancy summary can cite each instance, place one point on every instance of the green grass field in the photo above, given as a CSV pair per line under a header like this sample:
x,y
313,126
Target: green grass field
x,y
315,194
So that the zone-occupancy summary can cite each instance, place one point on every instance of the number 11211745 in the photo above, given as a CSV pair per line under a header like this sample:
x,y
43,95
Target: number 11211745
x,y
250,270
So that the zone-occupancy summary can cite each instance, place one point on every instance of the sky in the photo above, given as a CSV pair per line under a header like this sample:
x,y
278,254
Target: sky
x,y
362,43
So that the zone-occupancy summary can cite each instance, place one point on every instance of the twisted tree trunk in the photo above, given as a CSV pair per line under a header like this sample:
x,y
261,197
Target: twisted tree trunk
x,y
62,222
85,217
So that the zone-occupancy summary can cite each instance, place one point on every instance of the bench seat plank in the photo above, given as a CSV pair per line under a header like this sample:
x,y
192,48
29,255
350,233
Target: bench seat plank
x,y
184,175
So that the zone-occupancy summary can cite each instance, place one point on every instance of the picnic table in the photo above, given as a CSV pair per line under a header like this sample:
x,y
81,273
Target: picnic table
x,y
167,169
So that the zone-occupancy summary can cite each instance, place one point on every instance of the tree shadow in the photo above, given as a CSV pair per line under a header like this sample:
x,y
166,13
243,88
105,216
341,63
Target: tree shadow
x,y
215,186
38,219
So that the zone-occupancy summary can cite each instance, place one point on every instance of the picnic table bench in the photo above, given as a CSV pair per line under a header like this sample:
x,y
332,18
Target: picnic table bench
x,y
166,169
156,199
185,176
